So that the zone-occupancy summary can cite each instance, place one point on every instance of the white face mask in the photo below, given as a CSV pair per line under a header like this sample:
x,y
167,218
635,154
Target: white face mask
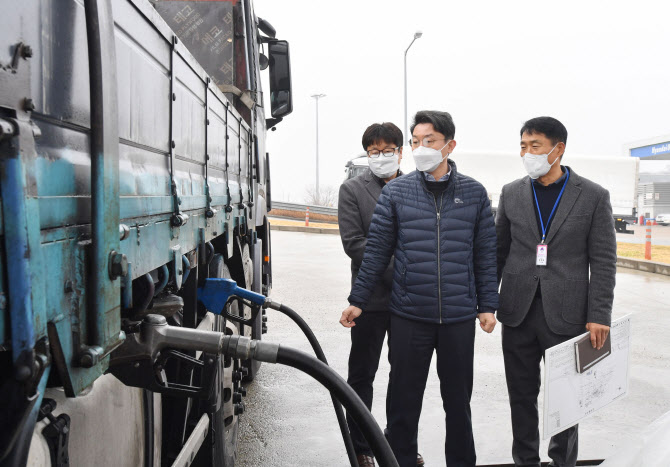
x,y
428,159
538,165
384,167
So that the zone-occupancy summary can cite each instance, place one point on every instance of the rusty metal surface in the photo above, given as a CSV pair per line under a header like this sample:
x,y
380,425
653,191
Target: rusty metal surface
x,y
58,86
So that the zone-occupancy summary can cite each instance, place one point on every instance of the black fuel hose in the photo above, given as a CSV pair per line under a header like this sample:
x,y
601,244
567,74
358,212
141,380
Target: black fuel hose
x,y
341,390
318,351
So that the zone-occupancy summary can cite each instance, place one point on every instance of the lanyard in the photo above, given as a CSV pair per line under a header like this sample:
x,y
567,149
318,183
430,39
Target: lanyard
x,y
544,228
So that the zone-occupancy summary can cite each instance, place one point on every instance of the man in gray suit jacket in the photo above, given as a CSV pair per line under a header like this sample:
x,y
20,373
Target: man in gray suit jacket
x,y
357,201
557,263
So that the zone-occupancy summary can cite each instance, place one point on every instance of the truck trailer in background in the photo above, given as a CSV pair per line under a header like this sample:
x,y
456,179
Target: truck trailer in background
x,y
618,174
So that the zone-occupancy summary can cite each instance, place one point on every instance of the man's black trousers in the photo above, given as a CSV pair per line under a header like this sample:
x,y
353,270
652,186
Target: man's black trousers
x,y
411,348
367,340
523,348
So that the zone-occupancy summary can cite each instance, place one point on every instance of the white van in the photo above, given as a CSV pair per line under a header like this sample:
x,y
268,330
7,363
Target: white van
x,y
355,166
358,164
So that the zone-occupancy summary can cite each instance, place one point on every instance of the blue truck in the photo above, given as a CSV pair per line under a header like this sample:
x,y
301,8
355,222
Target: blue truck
x,y
133,167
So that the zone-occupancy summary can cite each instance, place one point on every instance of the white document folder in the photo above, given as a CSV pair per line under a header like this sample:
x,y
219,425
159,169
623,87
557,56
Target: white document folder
x,y
569,396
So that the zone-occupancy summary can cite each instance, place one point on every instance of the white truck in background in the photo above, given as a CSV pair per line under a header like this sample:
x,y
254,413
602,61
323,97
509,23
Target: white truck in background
x,y
355,166
359,164
618,174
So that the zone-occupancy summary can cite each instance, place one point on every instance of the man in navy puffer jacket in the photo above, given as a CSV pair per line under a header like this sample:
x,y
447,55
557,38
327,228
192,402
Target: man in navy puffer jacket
x,y
438,223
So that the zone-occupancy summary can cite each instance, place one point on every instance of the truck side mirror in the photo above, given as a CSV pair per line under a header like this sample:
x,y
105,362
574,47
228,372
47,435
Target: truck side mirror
x,y
263,61
281,100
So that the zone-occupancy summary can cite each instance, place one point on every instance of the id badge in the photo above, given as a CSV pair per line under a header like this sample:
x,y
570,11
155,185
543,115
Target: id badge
x,y
541,257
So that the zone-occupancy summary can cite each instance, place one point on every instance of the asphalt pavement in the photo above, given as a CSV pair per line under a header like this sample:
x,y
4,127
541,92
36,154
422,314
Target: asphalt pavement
x,y
290,421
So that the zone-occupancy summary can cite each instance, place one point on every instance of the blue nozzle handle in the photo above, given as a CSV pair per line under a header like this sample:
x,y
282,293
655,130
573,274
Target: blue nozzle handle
x,y
253,297
216,292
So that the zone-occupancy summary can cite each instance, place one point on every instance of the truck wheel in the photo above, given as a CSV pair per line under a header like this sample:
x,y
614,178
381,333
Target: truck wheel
x,y
220,446
255,330
224,427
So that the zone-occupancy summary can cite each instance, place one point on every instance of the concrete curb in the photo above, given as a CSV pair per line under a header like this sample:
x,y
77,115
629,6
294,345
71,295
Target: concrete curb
x,y
300,215
299,228
644,265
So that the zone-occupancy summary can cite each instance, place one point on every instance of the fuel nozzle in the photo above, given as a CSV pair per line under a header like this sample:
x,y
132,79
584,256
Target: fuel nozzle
x,y
158,335
141,360
217,292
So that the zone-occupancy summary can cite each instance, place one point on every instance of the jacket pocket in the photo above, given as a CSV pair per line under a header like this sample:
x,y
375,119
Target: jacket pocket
x,y
403,279
575,303
577,224
471,280
508,293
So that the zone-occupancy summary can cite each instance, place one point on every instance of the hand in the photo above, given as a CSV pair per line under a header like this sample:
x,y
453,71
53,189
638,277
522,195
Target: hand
x,y
487,321
598,334
349,315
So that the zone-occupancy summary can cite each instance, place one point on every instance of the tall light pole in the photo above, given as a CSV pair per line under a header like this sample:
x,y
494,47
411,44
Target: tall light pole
x,y
416,36
316,98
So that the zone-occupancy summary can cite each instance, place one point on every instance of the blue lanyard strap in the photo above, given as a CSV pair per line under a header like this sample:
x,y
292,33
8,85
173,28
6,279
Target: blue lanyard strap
x,y
544,228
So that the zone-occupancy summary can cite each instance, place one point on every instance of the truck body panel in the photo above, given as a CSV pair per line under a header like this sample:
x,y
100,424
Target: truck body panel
x,y
191,193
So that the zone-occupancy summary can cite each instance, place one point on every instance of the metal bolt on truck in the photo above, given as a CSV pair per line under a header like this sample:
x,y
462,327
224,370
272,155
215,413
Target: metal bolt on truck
x,y
133,168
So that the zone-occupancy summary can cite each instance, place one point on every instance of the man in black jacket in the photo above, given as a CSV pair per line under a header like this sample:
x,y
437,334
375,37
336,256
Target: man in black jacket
x,y
437,224
357,200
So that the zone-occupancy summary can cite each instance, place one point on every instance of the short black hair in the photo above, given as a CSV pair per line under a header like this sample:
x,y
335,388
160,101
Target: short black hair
x,y
554,130
378,132
441,121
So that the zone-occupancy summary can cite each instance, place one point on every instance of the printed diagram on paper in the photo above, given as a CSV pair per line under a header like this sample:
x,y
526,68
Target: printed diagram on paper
x,y
570,396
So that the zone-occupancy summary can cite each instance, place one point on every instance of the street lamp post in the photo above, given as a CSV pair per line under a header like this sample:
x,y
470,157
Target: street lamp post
x,y
316,98
416,36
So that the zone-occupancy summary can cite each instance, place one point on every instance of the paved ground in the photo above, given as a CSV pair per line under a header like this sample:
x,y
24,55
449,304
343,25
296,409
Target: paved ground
x,y
290,421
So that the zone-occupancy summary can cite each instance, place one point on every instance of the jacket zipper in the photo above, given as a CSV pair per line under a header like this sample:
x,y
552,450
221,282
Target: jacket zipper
x,y
439,254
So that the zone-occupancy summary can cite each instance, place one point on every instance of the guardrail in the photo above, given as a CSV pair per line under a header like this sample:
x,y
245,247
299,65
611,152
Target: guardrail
x,y
303,207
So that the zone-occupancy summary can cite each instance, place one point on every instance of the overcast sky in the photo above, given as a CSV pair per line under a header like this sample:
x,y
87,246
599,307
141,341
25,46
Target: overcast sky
x,y
601,67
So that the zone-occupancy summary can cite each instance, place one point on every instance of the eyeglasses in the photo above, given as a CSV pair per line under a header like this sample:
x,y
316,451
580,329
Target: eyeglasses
x,y
426,142
389,152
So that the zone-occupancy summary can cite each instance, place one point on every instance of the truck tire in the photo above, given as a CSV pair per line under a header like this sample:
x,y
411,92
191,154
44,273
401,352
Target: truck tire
x,y
220,446
255,330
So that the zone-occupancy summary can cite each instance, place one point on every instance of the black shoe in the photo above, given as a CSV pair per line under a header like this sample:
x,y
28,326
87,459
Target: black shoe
x,y
365,461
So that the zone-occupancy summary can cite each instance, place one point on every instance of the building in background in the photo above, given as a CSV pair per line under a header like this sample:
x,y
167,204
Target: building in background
x,y
653,190
653,194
